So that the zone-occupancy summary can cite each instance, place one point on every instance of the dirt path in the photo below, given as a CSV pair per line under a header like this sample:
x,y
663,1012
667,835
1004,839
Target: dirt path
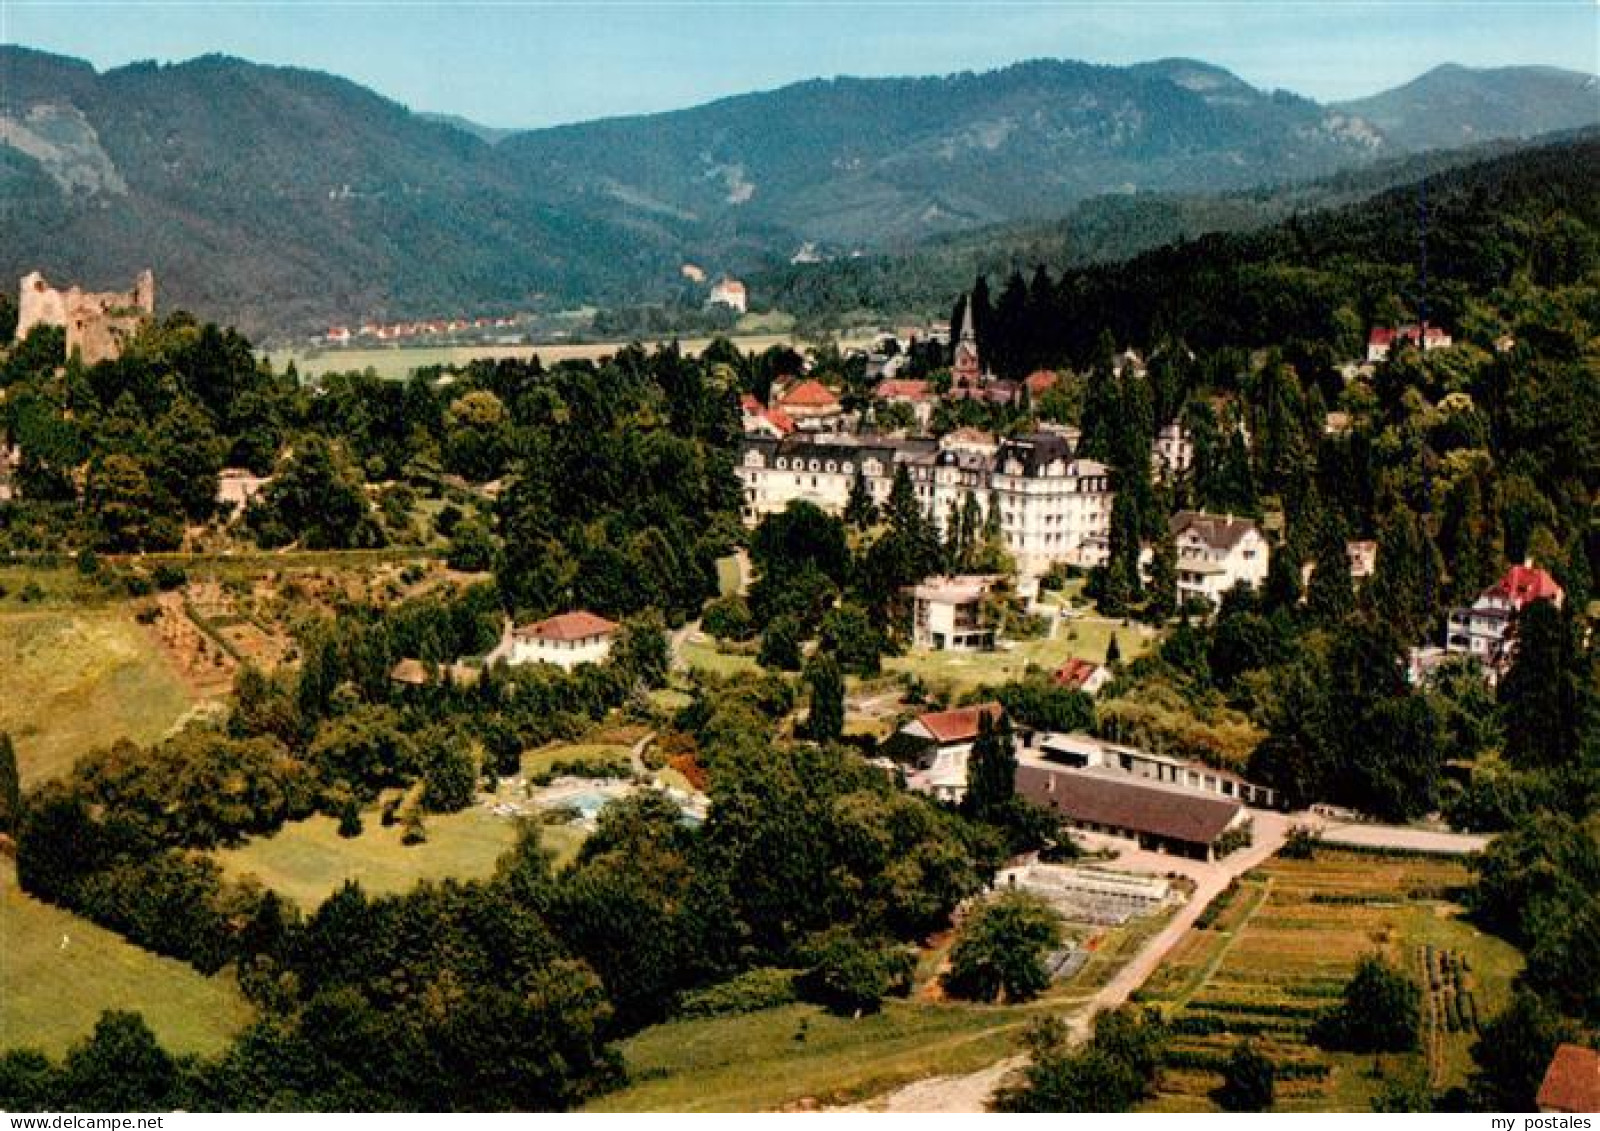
x,y
971,1092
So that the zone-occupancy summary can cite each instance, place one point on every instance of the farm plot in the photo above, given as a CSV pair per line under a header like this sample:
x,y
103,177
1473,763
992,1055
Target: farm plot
x,y
1277,953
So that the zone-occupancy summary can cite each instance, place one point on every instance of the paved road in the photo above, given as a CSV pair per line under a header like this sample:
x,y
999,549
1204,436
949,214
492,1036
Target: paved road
x,y
1401,837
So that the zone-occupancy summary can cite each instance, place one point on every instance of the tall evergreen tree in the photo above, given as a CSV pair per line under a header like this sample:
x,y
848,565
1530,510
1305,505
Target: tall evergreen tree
x,y
10,786
1539,697
825,719
991,770
1330,597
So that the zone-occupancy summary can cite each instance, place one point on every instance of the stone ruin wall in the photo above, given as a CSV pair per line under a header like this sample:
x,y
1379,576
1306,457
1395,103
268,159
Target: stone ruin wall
x,y
98,325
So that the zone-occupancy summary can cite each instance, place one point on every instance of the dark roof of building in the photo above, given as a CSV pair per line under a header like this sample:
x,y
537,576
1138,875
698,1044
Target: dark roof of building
x,y
1035,452
1221,532
1128,803
1572,1082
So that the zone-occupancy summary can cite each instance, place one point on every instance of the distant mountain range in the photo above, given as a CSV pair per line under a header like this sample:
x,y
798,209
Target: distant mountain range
x,y
286,199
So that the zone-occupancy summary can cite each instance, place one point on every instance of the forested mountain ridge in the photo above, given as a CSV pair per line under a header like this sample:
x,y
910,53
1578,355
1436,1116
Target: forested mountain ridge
x,y
284,199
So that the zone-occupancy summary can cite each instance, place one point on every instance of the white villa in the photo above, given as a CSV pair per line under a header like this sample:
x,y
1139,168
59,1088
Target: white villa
x,y
566,640
1217,552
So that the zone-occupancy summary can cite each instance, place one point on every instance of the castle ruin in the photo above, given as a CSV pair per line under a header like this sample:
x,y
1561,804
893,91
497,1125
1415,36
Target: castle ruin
x,y
98,326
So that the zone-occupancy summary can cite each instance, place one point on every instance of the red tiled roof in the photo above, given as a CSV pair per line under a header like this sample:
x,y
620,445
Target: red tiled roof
x,y
569,626
1572,1082
1165,812
1522,584
1040,380
748,403
960,724
782,419
1385,335
810,394
902,387
1075,673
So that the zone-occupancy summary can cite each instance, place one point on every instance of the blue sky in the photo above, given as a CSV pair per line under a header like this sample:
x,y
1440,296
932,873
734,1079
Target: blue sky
x,y
518,63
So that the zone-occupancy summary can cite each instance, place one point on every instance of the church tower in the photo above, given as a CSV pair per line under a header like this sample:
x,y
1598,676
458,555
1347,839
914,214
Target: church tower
x,y
967,372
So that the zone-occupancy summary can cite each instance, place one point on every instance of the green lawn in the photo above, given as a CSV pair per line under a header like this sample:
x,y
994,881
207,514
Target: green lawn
x,y
544,759
309,860
728,575
59,972
760,1061
703,654
1084,639
80,678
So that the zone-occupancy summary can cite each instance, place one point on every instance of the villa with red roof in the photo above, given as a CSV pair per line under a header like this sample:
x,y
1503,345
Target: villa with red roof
x,y
1384,338
946,739
811,405
1081,675
1484,630
566,640
759,420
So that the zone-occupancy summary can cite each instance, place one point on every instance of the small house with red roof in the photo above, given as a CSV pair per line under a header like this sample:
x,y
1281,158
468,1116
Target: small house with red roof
x,y
1485,630
759,420
1571,1084
566,640
916,395
1383,339
943,743
1081,675
811,405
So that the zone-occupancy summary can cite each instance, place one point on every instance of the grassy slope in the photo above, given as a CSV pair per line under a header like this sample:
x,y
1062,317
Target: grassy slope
x,y
1084,639
309,860
763,1060
51,994
76,678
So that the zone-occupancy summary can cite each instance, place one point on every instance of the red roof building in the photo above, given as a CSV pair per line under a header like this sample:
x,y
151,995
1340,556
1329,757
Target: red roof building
x,y
957,725
1081,675
580,625
1383,338
1572,1082
1040,381
1523,584
903,389
809,393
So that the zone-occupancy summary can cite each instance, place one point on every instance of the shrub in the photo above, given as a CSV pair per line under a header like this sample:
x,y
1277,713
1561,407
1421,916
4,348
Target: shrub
x,y
762,988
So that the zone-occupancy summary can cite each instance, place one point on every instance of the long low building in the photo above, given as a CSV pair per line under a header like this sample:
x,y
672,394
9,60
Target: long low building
x,y
1163,818
1084,751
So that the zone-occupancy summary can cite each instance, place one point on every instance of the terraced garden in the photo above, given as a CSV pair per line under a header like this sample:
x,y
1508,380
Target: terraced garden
x,y
1276,951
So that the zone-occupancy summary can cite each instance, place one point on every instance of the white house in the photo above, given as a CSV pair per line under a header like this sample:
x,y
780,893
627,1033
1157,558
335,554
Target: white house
x,y
730,293
1217,552
947,737
1384,338
1484,630
1173,453
946,614
566,640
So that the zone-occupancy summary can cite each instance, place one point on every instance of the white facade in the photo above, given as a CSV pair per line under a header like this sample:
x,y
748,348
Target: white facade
x,y
1083,751
1173,453
1052,507
1215,553
946,615
565,641
729,292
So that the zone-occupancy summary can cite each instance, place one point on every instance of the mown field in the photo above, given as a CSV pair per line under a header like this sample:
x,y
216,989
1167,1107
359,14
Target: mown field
x,y
59,972
79,677
398,362
308,860
1082,639
1279,951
